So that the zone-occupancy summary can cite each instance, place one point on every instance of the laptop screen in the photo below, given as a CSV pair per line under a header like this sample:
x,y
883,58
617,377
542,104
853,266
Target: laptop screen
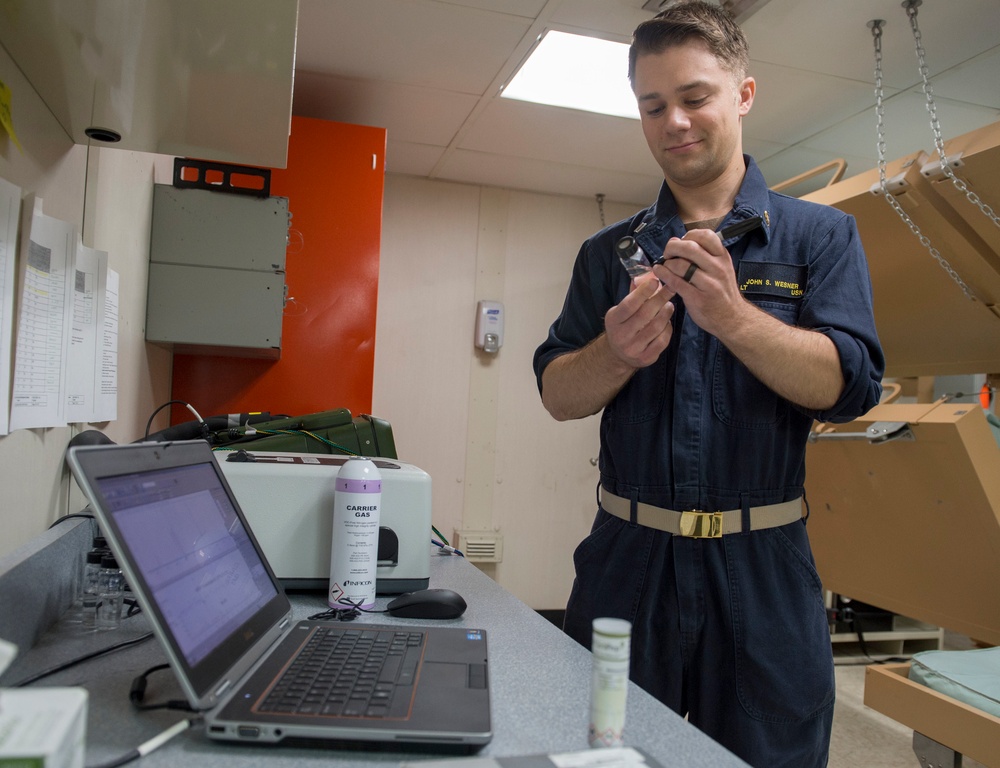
x,y
192,551
188,553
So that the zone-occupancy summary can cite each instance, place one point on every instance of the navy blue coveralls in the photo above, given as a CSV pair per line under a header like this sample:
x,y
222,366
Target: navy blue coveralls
x,y
731,632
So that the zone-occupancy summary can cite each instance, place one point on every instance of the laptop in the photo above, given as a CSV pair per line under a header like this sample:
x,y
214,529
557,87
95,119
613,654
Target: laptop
x,y
226,624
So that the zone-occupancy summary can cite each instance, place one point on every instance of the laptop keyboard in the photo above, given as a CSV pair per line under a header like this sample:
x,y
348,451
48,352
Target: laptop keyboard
x,y
349,672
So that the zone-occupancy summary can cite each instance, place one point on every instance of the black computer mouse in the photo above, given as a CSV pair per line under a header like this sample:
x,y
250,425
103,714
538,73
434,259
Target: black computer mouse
x,y
428,604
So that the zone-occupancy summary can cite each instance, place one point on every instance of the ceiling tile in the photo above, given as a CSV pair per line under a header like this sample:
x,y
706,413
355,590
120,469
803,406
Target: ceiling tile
x,y
760,149
555,178
411,159
527,8
558,135
834,38
409,113
615,18
796,104
418,42
976,81
907,128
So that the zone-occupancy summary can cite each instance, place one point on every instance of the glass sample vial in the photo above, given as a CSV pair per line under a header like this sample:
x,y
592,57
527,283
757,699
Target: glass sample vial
x,y
609,683
110,594
357,503
632,257
88,589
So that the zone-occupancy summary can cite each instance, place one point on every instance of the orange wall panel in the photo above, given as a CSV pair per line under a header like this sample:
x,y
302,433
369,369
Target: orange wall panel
x,y
334,184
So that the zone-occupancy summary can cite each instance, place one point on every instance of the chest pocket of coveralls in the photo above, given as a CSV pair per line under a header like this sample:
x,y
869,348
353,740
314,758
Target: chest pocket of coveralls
x,y
740,399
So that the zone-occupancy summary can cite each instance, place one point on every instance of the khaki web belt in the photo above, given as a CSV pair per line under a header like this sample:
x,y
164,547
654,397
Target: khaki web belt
x,y
700,524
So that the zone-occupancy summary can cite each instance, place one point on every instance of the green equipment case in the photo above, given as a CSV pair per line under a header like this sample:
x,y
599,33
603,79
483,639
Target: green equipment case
x,y
328,432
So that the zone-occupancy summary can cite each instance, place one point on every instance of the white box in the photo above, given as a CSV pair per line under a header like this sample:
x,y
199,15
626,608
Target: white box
x,y
288,500
43,727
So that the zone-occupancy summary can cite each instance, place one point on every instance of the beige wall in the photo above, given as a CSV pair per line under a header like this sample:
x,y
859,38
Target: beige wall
x,y
474,421
107,194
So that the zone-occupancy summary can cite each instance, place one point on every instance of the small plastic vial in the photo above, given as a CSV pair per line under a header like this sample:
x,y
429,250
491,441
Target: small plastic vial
x,y
110,594
632,257
609,685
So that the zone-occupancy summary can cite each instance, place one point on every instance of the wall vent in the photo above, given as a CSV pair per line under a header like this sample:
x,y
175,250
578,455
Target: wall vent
x,y
480,546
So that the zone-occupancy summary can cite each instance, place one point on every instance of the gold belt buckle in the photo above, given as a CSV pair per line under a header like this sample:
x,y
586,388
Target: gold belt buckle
x,y
698,524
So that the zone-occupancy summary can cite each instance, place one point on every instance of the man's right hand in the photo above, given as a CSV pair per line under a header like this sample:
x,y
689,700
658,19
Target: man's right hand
x,y
636,331
639,327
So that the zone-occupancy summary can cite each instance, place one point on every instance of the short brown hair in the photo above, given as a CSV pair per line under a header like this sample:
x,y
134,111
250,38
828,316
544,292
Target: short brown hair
x,y
693,20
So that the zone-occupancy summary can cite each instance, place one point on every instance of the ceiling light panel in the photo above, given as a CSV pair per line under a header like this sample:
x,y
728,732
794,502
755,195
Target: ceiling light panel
x,y
576,72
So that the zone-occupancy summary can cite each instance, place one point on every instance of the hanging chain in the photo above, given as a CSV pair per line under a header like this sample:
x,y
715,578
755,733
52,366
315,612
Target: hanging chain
x,y
600,207
876,27
911,11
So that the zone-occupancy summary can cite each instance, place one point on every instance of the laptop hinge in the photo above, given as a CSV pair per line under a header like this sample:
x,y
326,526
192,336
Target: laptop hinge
x,y
223,688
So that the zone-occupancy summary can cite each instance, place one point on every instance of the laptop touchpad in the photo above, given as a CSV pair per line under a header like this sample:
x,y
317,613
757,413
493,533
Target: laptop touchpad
x,y
445,675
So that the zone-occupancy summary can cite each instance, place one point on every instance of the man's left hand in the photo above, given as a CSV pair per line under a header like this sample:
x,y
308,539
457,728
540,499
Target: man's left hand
x,y
699,269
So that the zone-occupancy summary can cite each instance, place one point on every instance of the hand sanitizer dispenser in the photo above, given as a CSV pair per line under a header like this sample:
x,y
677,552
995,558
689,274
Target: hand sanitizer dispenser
x,y
489,326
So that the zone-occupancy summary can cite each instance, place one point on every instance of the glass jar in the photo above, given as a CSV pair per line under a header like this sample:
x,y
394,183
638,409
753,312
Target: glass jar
x,y
110,594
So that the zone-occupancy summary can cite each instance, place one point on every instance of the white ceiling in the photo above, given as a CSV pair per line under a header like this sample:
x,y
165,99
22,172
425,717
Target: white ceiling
x,y
430,72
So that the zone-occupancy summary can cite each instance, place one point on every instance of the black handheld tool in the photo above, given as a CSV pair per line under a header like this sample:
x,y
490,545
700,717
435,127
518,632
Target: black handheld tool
x,y
737,229
636,263
733,230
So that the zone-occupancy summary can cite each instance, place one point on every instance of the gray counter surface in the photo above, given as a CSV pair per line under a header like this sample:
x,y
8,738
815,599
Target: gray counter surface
x,y
540,686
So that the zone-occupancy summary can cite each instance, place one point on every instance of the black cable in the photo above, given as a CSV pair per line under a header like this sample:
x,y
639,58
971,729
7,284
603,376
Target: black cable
x,y
128,757
258,433
59,668
138,692
69,517
341,614
133,607
854,622
153,414
154,743
171,433
852,619
135,696
446,549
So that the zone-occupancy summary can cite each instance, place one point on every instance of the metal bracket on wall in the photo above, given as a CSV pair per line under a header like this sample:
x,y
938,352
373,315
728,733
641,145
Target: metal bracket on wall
x,y
879,432
221,177
933,754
